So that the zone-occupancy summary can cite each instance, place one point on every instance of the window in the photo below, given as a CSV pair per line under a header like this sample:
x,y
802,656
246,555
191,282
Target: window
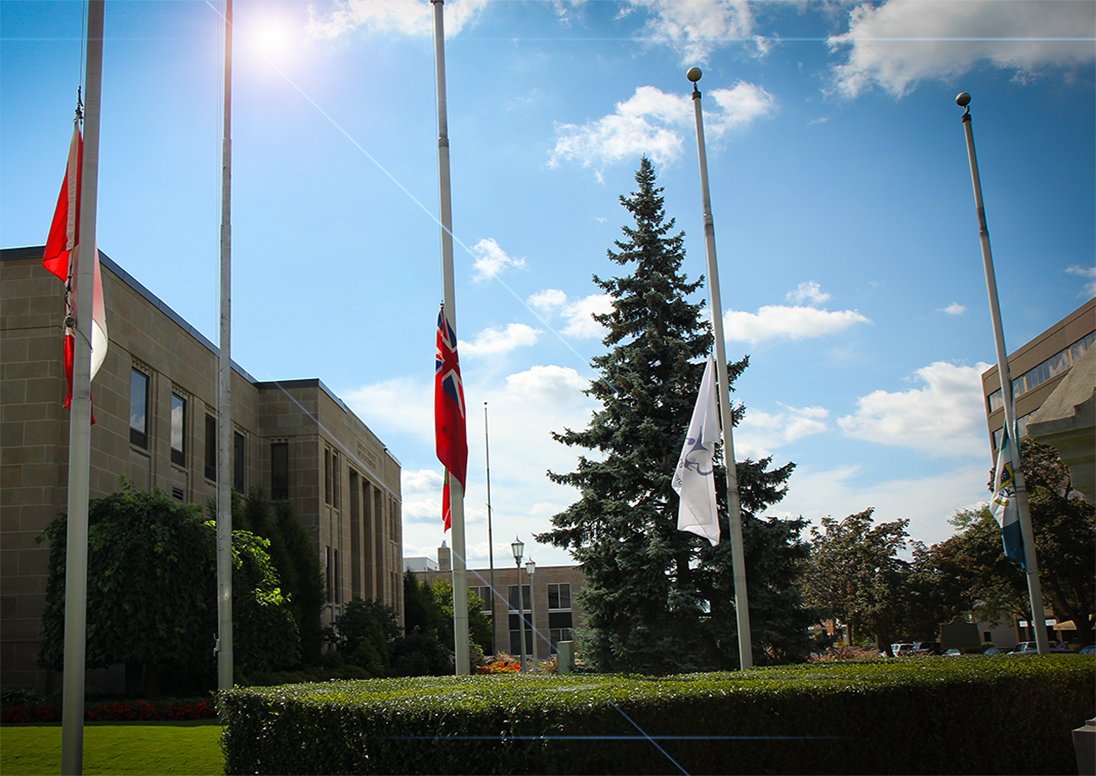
x,y
484,594
327,475
515,641
512,597
239,461
559,596
335,480
556,635
211,448
178,430
138,408
329,567
279,470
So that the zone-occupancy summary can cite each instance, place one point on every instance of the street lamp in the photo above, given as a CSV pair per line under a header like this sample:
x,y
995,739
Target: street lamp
x,y
518,547
530,567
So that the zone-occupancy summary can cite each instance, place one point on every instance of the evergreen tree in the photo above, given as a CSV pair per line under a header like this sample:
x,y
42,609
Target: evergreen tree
x,y
657,599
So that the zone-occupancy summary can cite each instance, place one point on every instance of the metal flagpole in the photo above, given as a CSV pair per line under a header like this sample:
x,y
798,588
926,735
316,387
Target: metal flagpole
x,y
1031,561
456,489
224,392
738,562
76,548
490,539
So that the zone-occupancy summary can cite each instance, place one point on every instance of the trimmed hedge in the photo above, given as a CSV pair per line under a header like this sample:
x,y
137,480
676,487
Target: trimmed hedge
x,y
968,715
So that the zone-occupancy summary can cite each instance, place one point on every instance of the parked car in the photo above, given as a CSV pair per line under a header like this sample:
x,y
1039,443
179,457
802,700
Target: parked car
x,y
926,648
1089,650
993,651
954,652
901,648
1032,648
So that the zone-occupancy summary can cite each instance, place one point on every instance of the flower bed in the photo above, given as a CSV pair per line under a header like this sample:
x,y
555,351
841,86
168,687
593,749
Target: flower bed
x,y
115,711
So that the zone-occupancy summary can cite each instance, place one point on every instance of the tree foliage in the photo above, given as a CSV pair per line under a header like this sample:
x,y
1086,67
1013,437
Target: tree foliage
x,y
854,574
151,593
656,599
362,634
294,558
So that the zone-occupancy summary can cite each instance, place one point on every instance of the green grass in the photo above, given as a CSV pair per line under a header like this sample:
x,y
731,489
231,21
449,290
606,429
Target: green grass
x,y
149,748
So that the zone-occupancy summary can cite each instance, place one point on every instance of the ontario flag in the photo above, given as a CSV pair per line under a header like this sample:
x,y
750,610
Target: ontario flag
x,y
61,257
450,431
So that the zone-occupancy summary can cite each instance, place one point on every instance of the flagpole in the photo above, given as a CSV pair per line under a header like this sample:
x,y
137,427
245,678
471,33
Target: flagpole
x,y
738,562
490,539
224,390
456,488
1031,560
76,548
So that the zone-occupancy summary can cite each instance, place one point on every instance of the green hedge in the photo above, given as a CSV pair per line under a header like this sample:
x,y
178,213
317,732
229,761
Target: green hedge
x,y
966,715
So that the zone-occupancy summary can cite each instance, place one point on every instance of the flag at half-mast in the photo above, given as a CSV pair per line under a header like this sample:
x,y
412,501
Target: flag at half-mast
x,y
694,478
61,257
1004,505
450,430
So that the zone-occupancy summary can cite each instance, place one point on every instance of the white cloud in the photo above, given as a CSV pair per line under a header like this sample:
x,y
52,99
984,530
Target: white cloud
x,y
547,385
407,17
651,123
694,29
809,292
898,43
1089,273
762,432
401,406
926,501
491,260
954,309
578,314
493,341
421,492
779,322
946,418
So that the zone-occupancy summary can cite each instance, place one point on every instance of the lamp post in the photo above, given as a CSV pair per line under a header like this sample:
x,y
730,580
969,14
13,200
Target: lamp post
x,y
518,547
530,567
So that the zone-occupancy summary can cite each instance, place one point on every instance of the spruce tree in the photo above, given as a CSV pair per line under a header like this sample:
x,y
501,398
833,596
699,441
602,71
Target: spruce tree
x,y
659,600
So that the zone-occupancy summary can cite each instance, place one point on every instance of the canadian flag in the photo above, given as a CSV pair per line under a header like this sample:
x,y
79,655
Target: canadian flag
x,y
61,256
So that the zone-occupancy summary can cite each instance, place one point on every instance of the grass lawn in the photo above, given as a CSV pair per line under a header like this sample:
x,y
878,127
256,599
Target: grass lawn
x,y
150,748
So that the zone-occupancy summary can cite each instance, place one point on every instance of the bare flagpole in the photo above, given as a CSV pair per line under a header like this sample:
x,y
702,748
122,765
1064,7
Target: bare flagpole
x,y
456,488
1031,560
76,548
738,562
490,539
224,391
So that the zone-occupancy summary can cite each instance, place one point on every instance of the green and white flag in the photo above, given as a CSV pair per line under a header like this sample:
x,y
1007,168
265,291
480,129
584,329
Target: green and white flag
x,y
1004,506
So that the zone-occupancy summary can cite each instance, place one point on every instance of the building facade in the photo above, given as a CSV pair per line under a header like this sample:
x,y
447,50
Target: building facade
x,y
155,404
1037,369
548,597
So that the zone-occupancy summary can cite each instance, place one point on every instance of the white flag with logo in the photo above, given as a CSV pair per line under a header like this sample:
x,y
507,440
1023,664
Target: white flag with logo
x,y
694,479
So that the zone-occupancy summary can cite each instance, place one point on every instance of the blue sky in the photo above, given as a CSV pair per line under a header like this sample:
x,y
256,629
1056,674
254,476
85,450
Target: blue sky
x,y
847,238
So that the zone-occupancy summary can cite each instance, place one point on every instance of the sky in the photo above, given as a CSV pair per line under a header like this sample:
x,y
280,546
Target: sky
x,y
846,232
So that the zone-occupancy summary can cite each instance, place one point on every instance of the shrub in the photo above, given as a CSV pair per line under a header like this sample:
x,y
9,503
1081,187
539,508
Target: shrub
x,y
839,717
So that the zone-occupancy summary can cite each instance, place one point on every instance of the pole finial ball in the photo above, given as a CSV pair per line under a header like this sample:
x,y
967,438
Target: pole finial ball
x,y
694,74
962,100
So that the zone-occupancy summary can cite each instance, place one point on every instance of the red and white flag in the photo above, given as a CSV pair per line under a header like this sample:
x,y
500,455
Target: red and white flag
x,y
451,438
61,257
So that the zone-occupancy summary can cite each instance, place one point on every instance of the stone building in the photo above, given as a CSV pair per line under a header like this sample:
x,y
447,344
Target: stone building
x,y
548,598
155,405
1037,369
